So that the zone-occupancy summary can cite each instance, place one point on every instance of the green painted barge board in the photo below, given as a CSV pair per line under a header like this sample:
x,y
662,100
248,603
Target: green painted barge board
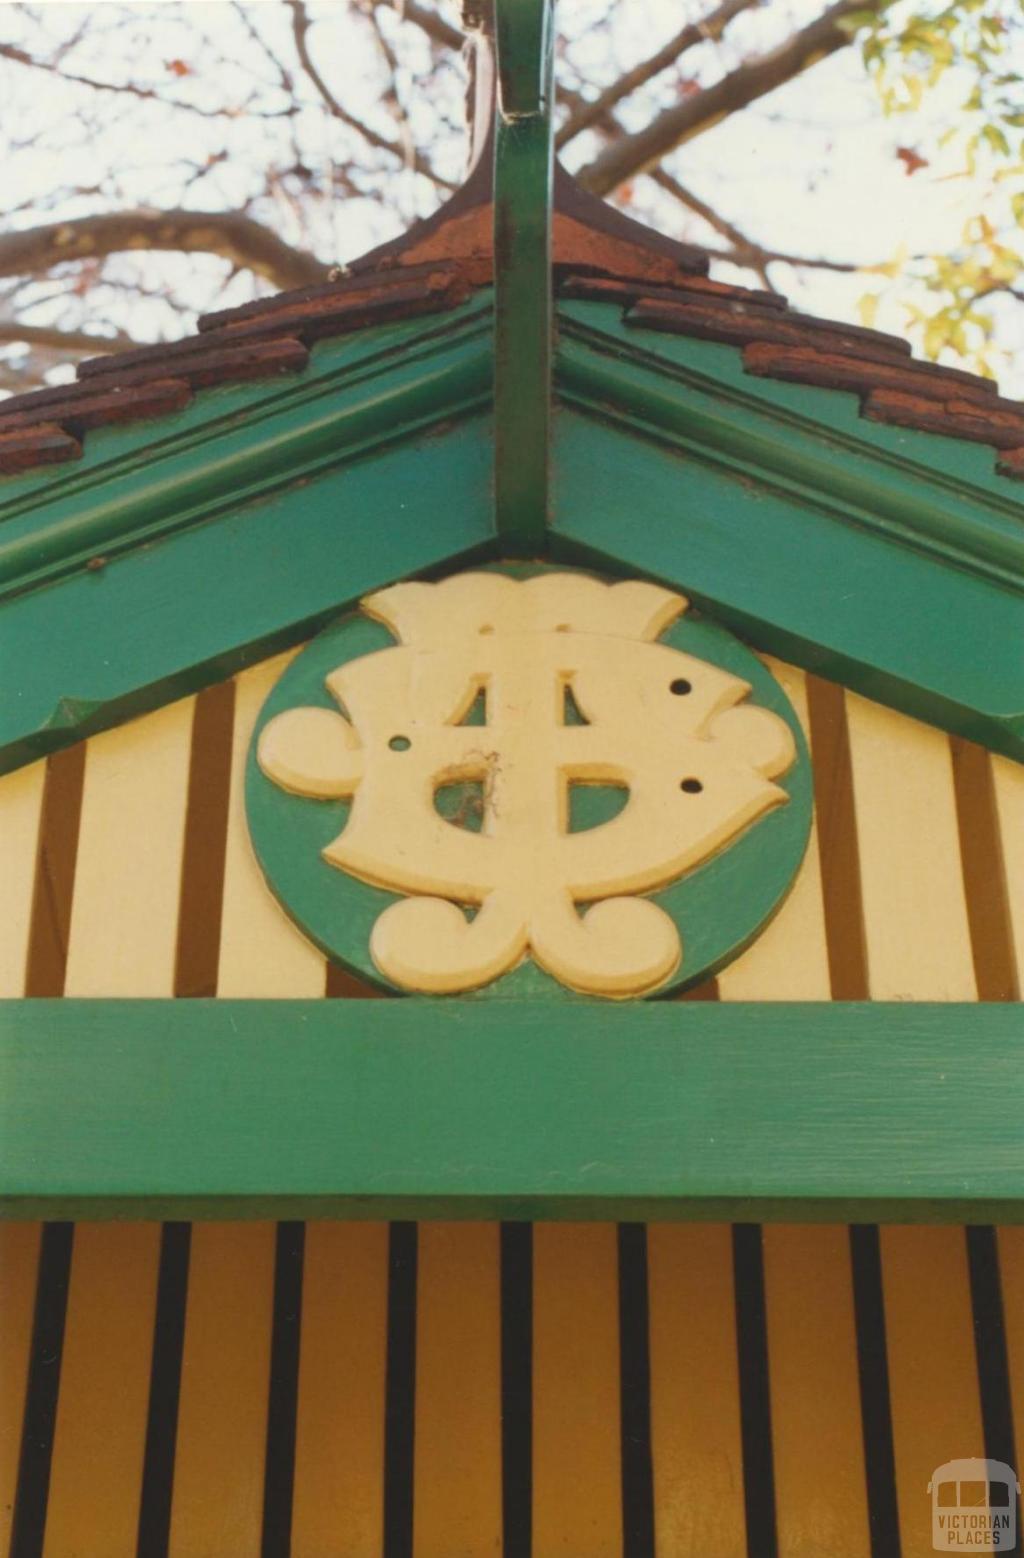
x,y
499,1109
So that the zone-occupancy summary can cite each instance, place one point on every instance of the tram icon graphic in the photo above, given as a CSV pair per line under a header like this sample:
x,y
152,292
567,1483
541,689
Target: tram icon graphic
x,y
974,1506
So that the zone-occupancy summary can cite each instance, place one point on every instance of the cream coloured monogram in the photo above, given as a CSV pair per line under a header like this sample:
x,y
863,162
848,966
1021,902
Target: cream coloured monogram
x,y
670,729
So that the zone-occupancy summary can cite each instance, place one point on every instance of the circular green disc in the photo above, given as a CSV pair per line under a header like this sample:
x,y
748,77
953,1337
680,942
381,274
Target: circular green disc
x,y
719,907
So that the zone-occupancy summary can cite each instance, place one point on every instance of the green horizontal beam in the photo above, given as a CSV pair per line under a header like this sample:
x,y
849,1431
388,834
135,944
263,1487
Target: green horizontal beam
x,y
491,1108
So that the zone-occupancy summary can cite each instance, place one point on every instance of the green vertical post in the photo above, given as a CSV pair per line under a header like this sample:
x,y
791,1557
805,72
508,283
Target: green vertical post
x,y
523,162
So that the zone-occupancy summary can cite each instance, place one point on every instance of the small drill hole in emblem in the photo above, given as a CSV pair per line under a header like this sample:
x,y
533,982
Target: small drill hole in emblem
x,y
399,743
691,786
680,686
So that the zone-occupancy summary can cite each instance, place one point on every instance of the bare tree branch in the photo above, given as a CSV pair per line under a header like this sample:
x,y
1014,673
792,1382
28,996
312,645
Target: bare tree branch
x,y
70,342
693,33
636,153
300,28
232,235
427,21
131,89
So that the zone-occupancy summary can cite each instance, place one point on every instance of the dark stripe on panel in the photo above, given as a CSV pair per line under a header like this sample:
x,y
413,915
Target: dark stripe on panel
x,y
29,1523
517,1388
635,1388
206,831
164,1391
400,1391
55,872
985,887
990,1347
279,1475
873,1371
837,841
755,1400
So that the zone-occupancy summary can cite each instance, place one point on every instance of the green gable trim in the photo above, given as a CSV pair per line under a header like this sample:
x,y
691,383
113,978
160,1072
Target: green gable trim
x,y
512,1110
177,552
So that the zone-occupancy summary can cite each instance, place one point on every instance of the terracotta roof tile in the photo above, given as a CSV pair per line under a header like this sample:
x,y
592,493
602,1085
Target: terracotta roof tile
x,y
273,335
44,444
77,411
839,369
1000,423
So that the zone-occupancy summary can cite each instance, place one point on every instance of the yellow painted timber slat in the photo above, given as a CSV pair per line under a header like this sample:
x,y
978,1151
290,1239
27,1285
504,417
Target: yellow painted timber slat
x,y
217,1507
915,914
1011,1270
339,1449
457,1486
99,1438
577,1497
262,954
789,962
695,1393
19,1264
821,1496
21,804
1008,779
124,913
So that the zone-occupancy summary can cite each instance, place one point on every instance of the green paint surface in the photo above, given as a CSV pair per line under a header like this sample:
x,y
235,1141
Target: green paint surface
x,y
719,907
511,1109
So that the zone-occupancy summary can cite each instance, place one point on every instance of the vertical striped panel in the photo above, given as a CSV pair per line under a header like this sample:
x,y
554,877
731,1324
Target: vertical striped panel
x,y
124,914
457,1467
261,952
695,1398
821,1495
222,1417
812,1349
21,804
918,948
1008,780
789,962
915,914
933,1381
217,1506
122,942
339,1453
577,1503
96,1473
21,801
19,1264
1011,1264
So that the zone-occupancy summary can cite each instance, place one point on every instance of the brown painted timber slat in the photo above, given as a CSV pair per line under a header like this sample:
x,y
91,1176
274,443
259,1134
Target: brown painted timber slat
x,y
581,283
437,275
739,324
1001,425
803,364
45,444
81,408
218,365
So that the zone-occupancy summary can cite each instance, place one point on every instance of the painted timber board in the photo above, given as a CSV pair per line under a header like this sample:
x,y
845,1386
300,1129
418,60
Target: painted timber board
x,y
508,1109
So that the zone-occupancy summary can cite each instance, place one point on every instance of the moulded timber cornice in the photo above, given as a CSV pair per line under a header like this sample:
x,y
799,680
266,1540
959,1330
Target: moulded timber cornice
x,y
752,428
236,446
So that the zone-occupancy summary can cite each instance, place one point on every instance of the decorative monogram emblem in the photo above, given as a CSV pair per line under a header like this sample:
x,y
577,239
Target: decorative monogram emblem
x,y
467,750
